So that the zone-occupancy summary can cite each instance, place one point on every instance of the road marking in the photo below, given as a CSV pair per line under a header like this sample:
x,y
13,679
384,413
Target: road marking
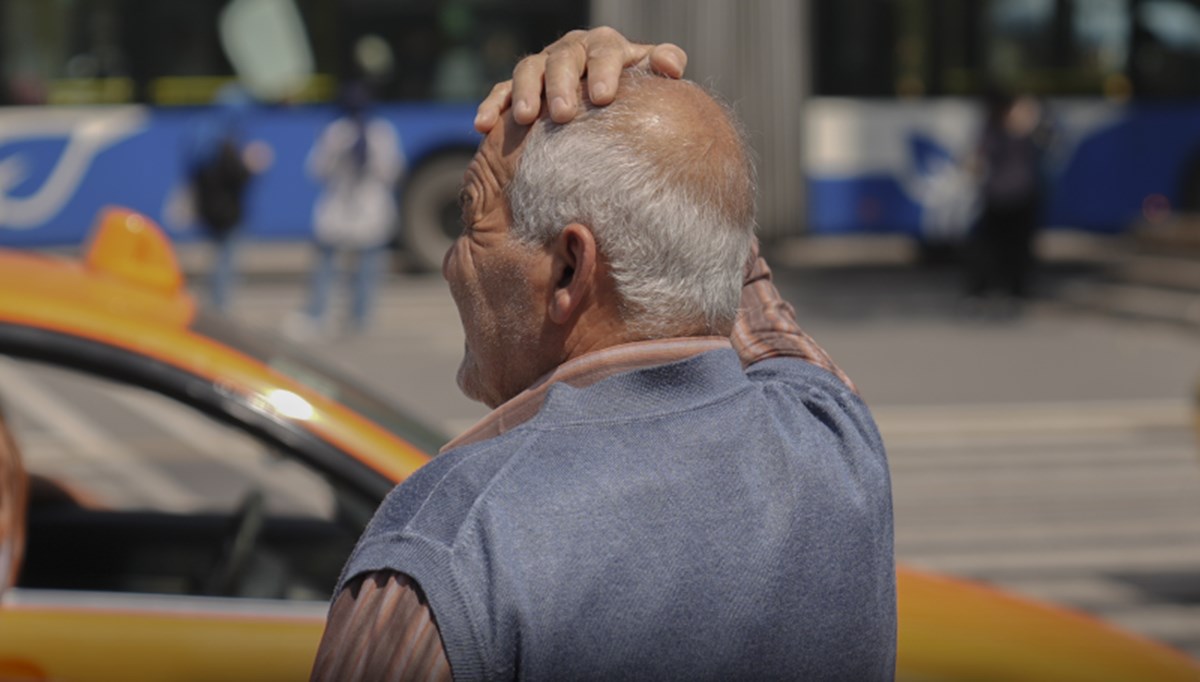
x,y
1161,621
971,459
1078,417
1084,560
1094,591
1057,501
1035,533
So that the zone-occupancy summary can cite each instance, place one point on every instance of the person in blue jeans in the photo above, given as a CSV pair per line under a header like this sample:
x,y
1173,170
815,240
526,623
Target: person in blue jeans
x,y
358,161
220,169
366,275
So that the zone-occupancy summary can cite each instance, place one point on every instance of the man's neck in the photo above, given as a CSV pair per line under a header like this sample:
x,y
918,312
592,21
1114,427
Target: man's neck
x,y
594,334
585,370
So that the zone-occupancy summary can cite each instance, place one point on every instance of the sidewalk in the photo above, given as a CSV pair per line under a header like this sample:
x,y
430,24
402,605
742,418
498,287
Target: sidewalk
x,y
256,260
1156,276
285,260
1110,275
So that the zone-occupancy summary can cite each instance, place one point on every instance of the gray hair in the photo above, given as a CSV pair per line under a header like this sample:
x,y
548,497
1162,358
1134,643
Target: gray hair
x,y
674,219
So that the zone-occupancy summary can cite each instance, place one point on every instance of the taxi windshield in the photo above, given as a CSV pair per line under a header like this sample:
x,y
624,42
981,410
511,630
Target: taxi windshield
x,y
293,362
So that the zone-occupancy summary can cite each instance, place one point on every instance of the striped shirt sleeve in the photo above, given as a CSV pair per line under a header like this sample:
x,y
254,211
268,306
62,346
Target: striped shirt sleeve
x,y
380,628
14,491
766,326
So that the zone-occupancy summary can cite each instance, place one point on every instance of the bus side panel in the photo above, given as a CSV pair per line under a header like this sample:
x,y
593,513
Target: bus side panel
x,y
59,166
901,166
863,203
888,166
1124,171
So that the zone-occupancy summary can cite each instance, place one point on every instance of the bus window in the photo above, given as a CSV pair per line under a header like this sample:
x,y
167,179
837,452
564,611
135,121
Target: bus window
x,y
169,53
853,46
1112,48
1166,45
104,51
1018,36
946,47
1100,31
1058,47
455,51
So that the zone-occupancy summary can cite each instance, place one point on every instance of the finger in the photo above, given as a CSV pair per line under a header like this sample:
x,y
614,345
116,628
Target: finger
x,y
604,72
608,53
527,84
493,106
565,63
668,59
604,68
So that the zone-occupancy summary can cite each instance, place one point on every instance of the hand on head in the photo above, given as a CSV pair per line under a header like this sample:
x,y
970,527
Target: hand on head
x,y
600,54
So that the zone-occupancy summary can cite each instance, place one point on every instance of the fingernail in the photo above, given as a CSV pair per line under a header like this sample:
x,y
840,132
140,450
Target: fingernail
x,y
523,108
599,90
479,118
558,107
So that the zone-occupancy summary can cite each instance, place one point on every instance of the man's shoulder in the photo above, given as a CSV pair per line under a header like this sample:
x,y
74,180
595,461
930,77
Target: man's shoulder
x,y
797,371
436,500
583,428
424,516
792,382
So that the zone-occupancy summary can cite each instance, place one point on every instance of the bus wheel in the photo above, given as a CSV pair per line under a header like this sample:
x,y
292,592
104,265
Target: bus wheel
x,y
431,211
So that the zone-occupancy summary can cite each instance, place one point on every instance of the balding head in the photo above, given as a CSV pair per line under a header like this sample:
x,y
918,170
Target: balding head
x,y
663,178
690,138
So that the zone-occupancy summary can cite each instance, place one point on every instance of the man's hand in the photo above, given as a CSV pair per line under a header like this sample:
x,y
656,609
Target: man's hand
x,y
600,53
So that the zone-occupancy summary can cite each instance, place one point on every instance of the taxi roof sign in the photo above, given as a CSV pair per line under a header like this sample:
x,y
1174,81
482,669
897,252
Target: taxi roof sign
x,y
128,245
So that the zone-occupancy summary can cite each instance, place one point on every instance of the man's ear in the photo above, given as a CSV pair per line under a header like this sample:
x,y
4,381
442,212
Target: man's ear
x,y
574,270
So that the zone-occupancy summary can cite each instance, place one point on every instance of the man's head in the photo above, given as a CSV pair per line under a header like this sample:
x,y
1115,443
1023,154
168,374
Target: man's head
x,y
631,222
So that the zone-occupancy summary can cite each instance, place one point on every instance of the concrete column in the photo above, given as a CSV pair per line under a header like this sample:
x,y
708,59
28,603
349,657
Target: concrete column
x,y
755,54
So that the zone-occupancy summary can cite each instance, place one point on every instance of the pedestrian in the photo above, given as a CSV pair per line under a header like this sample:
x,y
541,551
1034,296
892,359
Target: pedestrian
x,y
220,166
675,481
358,161
999,255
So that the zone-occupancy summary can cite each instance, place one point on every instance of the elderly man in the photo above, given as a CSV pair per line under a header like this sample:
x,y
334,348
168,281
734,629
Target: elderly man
x,y
675,482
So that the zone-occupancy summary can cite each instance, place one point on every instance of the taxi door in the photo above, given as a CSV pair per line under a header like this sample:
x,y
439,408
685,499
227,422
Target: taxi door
x,y
82,636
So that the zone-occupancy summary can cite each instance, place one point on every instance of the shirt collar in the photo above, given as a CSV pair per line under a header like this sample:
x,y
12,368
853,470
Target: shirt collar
x,y
582,371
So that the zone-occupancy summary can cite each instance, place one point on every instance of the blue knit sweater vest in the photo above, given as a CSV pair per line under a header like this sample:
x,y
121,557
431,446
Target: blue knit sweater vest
x,y
682,522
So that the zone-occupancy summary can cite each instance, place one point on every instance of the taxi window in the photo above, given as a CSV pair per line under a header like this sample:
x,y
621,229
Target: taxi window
x,y
157,497
291,361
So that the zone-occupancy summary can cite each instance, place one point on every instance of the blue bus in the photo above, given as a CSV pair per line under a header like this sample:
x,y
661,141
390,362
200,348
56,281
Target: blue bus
x,y
895,110
103,96
887,118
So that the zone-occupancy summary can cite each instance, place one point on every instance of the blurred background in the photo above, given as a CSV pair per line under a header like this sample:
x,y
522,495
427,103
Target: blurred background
x,y
1041,435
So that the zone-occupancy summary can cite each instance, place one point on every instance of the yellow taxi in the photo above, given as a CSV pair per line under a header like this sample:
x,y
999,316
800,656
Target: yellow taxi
x,y
177,496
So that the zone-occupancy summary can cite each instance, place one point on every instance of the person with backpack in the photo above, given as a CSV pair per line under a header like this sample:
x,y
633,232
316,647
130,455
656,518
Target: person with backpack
x,y
358,161
220,167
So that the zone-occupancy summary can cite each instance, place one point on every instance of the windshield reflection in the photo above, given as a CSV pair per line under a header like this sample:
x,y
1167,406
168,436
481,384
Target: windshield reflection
x,y
293,362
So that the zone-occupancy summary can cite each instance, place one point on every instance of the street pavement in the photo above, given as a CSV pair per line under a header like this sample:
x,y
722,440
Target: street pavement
x,y
1049,451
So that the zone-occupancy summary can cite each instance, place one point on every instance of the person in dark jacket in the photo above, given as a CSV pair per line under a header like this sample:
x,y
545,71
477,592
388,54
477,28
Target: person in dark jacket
x,y
999,254
220,167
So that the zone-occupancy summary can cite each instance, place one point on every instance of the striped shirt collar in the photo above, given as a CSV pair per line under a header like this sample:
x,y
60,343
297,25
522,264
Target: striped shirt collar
x,y
582,371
